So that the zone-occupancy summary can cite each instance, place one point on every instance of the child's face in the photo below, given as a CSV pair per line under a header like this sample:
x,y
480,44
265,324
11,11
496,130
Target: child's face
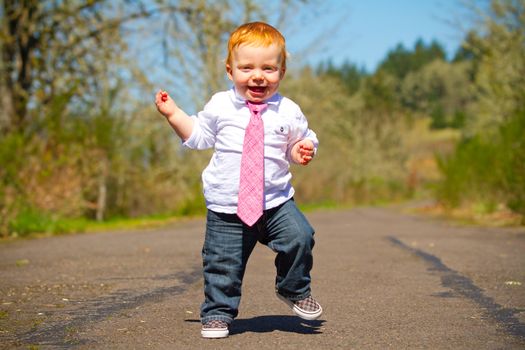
x,y
256,71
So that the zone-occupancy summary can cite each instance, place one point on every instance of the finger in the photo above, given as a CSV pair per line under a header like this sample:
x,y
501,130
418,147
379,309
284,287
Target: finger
x,y
307,147
306,152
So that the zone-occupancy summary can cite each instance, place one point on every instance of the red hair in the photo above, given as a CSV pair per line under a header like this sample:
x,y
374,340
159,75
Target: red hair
x,y
257,34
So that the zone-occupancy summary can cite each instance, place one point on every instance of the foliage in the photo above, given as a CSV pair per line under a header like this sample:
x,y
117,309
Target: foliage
x,y
77,137
513,152
358,145
500,74
468,176
81,141
29,221
441,90
52,49
348,73
400,61
488,165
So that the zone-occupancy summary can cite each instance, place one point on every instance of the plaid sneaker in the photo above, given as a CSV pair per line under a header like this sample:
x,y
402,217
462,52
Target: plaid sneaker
x,y
307,308
215,329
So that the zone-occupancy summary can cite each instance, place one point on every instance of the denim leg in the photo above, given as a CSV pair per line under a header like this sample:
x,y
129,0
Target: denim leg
x,y
290,235
227,247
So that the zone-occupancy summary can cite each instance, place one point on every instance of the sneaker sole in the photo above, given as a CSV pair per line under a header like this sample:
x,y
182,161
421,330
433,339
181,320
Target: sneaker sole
x,y
214,333
305,315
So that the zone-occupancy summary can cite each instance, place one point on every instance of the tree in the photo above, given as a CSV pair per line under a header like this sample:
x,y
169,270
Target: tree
x,y
400,61
350,75
362,152
74,100
441,90
487,166
500,73
194,41
53,49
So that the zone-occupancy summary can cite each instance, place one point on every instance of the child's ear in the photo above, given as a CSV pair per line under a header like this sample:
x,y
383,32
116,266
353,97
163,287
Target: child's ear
x,y
229,72
281,75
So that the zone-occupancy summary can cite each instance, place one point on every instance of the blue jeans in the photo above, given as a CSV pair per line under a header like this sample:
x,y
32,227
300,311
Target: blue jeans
x,y
228,245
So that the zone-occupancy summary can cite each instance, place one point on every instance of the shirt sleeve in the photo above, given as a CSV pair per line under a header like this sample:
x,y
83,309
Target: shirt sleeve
x,y
204,131
300,131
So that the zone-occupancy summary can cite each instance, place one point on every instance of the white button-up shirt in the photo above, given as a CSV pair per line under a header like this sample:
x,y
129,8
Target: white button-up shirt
x,y
222,124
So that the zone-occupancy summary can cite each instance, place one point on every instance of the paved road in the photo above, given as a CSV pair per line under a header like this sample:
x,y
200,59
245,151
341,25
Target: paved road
x,y
386,281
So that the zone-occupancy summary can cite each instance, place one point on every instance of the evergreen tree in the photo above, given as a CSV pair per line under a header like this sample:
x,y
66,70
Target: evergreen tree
x,y
348,73
400,61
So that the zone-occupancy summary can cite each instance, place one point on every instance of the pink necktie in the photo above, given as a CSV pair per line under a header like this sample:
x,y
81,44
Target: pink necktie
x,y
251,183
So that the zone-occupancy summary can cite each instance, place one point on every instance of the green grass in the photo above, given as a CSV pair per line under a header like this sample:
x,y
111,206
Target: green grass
x,y
37,224
132,223
30,222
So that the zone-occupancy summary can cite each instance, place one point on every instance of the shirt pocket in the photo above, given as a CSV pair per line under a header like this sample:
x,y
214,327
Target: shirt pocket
x,y
277,135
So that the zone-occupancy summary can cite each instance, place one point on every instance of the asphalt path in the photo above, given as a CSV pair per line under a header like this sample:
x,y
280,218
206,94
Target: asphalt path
x,y
386,280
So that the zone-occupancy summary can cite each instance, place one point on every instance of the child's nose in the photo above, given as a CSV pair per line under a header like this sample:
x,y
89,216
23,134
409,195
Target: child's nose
x,y
257,75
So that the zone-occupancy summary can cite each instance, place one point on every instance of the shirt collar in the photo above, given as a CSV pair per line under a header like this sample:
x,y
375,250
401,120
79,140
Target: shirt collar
x,y
241,101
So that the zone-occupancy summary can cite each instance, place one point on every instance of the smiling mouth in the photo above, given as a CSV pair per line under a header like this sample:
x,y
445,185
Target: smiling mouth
x,y
257,89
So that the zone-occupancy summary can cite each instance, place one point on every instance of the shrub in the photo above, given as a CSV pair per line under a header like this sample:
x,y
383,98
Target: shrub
x,y
487,168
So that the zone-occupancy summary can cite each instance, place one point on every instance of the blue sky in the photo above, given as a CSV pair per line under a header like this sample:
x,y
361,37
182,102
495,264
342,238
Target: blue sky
x,y
363,31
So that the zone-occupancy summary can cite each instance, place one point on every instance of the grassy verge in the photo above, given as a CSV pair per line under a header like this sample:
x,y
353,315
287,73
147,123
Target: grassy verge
x,y
478,214
42,226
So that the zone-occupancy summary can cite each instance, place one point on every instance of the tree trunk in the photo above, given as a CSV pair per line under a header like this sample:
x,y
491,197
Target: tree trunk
x,y
102,190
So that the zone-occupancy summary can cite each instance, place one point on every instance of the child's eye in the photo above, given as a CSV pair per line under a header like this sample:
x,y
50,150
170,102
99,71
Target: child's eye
x,y
270,69
245,68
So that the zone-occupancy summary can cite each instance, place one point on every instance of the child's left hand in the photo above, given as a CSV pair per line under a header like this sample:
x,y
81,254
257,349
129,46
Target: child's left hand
x,y
303,152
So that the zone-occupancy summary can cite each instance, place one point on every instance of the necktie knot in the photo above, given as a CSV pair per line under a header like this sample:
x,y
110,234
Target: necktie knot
x,y
256,108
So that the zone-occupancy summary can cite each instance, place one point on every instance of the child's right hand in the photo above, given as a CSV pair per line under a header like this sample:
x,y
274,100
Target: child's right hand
x,y
165,104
